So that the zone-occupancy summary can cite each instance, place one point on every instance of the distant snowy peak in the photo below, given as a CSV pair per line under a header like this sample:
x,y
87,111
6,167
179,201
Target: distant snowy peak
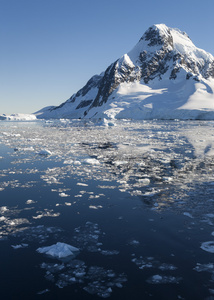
x,y
162,48
162,56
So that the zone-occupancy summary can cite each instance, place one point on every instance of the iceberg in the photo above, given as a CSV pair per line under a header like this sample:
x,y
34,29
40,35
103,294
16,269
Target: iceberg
x,y
58,250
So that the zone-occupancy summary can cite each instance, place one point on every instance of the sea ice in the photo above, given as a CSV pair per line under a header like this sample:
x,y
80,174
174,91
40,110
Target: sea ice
x,y
82,184
46,213
43,292
39,234
144,181
134,242
19,246
30,201
59,250
208,246
167,267
188,215
91,161
95,206
159,279
110,252
63,195
68,162
204,267
45,152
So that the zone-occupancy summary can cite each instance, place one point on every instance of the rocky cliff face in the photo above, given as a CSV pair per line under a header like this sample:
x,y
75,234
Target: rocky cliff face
x,y
162,54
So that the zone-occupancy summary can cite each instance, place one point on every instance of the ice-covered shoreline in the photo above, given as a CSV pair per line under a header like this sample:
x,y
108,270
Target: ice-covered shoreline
x,y
18,117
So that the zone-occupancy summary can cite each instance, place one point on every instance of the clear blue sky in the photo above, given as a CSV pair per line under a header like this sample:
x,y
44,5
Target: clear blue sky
x,y
50,48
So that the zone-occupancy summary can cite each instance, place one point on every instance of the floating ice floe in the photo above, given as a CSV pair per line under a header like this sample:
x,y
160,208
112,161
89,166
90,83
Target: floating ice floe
x,y
46,213
143,263
82,184
43,292
159,279
91,161
68,162
208,246
188,215
30,201
39,234
63,195
144,181
110,252
94,280
59,250
45,152
134,242
95,206
204,267
19,246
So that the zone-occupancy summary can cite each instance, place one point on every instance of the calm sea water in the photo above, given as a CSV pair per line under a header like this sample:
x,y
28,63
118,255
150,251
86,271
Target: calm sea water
x,y
136,198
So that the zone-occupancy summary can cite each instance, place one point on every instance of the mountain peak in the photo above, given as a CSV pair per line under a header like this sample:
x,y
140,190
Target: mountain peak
x,y
158,34
164,69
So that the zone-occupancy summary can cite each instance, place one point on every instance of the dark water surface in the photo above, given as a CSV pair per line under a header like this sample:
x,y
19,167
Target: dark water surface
x,y
136,198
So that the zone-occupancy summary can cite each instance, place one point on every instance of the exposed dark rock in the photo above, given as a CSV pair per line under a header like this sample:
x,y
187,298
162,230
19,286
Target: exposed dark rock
x,y
84,104
154,36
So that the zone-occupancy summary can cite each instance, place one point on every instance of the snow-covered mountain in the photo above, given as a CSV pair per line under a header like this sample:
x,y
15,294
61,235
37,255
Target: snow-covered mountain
x,y
18,117
165,76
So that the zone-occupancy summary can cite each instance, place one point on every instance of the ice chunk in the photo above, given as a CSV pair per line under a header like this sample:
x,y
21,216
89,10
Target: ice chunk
x,y
134,242
58,250
46,213
188,215
68,162
82,184
77,162
19,246
91,161
204,267
45,152
63,195
144,181
95,206
43,292
208,246
30,201
165,267
110,252
159,279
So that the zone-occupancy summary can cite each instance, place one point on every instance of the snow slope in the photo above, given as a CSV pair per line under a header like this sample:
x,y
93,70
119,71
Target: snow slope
x,y
165,76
